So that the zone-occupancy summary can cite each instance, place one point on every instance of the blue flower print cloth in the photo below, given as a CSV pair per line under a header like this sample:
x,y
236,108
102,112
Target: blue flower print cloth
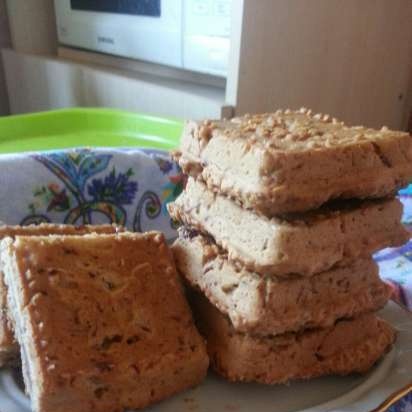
x,y
90,186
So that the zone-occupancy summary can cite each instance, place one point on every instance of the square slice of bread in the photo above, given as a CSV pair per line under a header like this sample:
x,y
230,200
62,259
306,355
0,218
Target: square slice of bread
x,y
270,305
349,346
102,321
293,161
9,349
306,243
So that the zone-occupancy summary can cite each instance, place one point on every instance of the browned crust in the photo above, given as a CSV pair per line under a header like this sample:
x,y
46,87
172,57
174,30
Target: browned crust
x,y
119,347
351,346
296,161
306,243
268,305
375,184
9,350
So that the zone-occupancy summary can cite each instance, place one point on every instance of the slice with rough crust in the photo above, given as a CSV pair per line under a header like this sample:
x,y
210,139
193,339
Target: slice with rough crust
x,y
102,321
350,346
306,244
9,349
270,305
293,161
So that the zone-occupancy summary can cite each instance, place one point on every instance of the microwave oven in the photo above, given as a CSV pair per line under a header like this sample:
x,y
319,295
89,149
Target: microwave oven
x,y
187,34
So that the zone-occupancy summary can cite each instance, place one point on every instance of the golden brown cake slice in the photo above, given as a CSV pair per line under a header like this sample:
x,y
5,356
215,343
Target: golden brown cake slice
x,y
9,350
267,305
350,346
102,321
292,161
306,243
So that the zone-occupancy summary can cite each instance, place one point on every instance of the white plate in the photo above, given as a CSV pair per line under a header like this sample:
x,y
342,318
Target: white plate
x,y
348,394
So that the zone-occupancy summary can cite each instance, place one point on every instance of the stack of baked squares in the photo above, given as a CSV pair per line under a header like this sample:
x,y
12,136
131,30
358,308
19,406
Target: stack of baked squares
x,y
280,217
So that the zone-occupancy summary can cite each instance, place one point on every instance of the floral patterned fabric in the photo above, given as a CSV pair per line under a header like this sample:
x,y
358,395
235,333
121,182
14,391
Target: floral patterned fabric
x,y
395,264
128,187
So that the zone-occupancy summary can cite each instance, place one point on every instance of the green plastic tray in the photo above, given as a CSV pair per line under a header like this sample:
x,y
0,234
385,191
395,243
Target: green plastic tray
x,y
68,128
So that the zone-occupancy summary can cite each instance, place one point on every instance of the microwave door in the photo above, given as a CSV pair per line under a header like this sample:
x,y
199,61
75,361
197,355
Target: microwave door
x,y
149,30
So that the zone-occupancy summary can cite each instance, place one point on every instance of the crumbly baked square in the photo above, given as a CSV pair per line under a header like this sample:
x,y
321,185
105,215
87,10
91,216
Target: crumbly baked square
x,y
293,161
267,305
101,320
9,349
350,346
306,243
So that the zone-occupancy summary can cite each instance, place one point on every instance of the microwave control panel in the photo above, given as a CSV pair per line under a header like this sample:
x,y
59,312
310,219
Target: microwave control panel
x,y
206,41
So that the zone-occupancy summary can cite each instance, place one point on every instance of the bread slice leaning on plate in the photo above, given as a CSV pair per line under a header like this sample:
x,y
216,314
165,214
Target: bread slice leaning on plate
x,y
101,320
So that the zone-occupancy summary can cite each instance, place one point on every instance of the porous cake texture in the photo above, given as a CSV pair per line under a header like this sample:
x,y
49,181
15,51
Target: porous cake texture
x,y
349,346
101,320
305,243
293,161
9,350
267,305
280,217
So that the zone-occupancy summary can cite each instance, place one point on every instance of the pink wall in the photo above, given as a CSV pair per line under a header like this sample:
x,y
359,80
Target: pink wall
x,y
4,42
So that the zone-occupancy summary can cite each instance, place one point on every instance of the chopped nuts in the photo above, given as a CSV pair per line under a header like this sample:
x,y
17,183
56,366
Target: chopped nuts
x,y
279,129
169,270
158,239
28,274
204,133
